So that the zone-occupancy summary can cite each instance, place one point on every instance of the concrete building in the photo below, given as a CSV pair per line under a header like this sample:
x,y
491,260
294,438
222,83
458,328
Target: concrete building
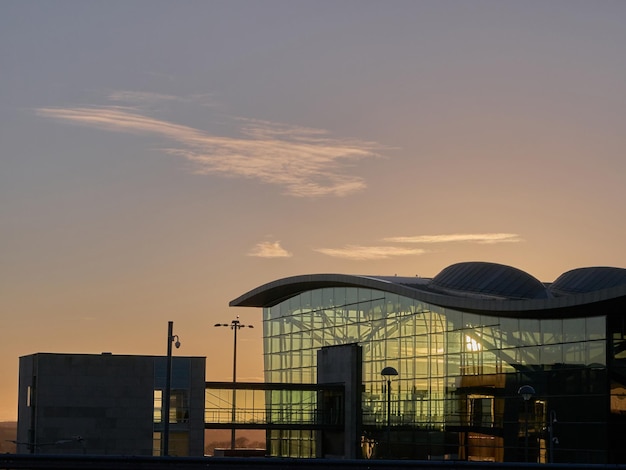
x,y
492,364
109,404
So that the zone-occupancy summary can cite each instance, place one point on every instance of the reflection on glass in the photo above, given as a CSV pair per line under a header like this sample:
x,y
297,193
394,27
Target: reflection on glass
x,y
453,365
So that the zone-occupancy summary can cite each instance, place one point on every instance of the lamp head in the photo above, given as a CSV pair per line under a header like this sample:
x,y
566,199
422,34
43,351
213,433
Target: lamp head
x,y
389,372
176,339
526,391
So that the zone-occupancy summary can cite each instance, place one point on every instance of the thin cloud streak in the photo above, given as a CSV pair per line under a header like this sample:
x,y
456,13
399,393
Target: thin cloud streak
x,y
121,119
361,253
304,161
142,97
364,253
482,238
269,250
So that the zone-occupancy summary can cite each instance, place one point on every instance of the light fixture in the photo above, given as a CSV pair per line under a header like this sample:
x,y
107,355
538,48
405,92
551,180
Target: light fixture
x,y
171,338
235,325
526,392
388,372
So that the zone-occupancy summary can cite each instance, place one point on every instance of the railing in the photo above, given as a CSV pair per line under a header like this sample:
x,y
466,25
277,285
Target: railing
x,y
266,404
268,415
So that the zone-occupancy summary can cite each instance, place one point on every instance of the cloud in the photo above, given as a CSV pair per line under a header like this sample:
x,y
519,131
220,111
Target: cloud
x,y
305,162
269,250
142,98
121,119
483,238
362,253
357,252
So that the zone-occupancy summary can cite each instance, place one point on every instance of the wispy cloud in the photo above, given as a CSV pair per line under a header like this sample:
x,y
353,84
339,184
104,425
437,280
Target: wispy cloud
x,y
483,238
143,97
305,162
123,119
269,250
362,253
140,97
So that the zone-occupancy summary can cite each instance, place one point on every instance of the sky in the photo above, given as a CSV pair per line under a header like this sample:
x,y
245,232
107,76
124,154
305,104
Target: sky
x,y
158,159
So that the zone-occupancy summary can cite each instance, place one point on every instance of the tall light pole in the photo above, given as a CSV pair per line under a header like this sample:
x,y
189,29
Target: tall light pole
x,y
171,337
234,325
527,392
388,372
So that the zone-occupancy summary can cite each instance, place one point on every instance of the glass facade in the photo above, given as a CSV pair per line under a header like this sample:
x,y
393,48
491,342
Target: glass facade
x,y
298,407
456,393
178,442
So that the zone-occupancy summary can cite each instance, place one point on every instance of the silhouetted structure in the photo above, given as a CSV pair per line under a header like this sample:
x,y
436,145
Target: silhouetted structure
x,y
109,404
463,343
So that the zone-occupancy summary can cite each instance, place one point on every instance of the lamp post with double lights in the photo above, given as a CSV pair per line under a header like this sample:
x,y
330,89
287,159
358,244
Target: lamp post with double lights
x,y
234,325
171,338
526,392
387,373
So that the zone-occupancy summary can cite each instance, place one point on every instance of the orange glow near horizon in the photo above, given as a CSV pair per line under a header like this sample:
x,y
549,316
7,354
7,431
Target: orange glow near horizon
x,y
139,185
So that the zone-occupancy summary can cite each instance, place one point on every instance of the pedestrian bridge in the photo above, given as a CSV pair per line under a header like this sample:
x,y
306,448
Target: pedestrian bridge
x,y
250,405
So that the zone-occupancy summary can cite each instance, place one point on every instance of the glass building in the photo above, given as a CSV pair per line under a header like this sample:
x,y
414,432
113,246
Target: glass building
x,y
492,364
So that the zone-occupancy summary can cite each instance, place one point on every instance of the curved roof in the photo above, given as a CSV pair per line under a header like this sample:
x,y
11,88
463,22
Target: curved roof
x,y
588,280
493,289
490,279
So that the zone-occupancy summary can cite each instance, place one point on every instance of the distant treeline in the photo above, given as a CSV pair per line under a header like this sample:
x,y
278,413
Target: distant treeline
x,y
240,443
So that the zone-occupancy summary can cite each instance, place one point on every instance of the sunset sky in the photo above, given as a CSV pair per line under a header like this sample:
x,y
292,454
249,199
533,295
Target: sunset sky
x,y
160,158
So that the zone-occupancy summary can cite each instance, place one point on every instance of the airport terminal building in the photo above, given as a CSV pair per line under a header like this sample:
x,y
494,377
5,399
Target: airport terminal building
x,y
492,364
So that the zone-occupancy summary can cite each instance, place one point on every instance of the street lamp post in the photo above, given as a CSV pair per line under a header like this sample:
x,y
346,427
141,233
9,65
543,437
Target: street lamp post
x,y
388,372
171,337
526,392
234,325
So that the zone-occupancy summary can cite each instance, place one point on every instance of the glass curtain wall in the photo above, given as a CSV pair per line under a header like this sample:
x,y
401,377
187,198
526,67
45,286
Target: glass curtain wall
x,y
455,396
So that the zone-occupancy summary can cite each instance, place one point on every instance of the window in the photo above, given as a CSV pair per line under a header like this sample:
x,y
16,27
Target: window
x,y
156,444
480,410
158,406
179,406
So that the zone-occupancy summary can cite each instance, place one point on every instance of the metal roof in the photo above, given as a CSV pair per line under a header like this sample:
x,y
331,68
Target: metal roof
x,y
490,279
477,287
588,280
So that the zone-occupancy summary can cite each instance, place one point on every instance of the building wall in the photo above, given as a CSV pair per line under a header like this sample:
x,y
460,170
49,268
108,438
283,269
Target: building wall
x,y
187,404
94,404
342,365
456,394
